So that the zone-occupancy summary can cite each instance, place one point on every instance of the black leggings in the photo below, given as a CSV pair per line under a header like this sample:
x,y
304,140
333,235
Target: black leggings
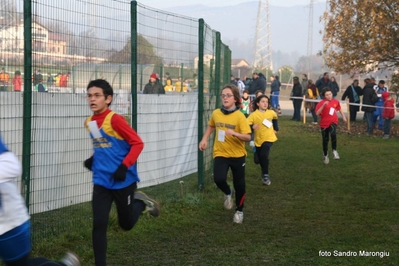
x,y
325,132
128,209
263,155
237,165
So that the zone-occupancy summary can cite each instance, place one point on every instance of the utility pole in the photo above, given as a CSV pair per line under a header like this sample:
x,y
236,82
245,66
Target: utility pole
x,y
263,43
310,37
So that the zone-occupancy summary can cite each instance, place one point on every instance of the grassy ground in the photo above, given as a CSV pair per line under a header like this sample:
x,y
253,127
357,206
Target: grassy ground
x,y
350,204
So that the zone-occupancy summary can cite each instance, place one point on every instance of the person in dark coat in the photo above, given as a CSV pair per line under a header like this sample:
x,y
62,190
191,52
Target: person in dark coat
x,y
334,87
323,82
369,100
258,83
297,101
353,93
154,86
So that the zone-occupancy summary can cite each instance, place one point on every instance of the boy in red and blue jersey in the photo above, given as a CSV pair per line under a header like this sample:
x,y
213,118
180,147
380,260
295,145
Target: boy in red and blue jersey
x,y
116,149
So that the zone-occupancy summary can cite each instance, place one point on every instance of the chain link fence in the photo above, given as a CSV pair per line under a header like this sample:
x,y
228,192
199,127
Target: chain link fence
x,y
49,52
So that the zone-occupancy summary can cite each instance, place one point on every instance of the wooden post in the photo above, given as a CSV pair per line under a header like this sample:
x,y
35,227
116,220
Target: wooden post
x,y
348,114
304,109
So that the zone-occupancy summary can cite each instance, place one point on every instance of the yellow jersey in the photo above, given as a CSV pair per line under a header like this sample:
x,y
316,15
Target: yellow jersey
x,y
178,86
229,146
266,130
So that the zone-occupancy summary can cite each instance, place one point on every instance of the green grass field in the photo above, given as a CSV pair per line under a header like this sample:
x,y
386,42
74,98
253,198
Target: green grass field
x,y
349,205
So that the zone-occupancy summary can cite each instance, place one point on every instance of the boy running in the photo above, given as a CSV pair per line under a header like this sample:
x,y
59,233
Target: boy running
x,y
113,163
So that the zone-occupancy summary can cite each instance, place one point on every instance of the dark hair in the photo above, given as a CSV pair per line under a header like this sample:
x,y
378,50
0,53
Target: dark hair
x,y
258,99
381,82
305,75
258,91
325,73
104,85
355,80
324,90
276,77
18,73
245,91
236,94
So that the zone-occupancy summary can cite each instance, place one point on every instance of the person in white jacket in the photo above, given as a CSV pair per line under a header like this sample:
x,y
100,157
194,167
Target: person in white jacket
x,y
15,239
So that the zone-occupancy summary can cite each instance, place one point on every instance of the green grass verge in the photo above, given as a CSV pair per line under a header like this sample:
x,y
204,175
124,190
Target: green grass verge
x,y
350,204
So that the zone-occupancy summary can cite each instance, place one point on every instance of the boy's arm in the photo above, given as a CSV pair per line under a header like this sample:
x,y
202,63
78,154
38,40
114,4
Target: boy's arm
x,y
121,127
343,115
204,142
10,166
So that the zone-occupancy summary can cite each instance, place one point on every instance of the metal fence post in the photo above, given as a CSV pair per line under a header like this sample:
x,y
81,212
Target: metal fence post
x,y
218,68
200,101
27,108
133,43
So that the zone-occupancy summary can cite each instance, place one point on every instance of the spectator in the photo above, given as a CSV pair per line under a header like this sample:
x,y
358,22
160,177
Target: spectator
x,y
334,87
186,86
64,80
50,79
323,82
258,83
296,93
169,86
57,79
312,94
369,99
304,84
388,113
17,81
247,82
353,93
178,85
153,86
275,93
37,76
379,104
167,76
4,79
233,80
40,87
240,86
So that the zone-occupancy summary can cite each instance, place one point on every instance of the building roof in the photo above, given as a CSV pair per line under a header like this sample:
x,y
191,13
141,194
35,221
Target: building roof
x,y
237,61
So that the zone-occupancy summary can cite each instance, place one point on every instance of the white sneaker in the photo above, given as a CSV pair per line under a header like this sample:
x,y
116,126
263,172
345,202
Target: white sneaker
x,y
266,180
228,200
238,217
326,160
336,155
70,259
252,143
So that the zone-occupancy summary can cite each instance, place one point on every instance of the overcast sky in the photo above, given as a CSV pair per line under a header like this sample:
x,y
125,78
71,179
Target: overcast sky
x,y
171,3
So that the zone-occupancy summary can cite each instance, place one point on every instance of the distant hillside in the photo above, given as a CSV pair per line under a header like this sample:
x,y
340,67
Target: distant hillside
x,y
237,24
